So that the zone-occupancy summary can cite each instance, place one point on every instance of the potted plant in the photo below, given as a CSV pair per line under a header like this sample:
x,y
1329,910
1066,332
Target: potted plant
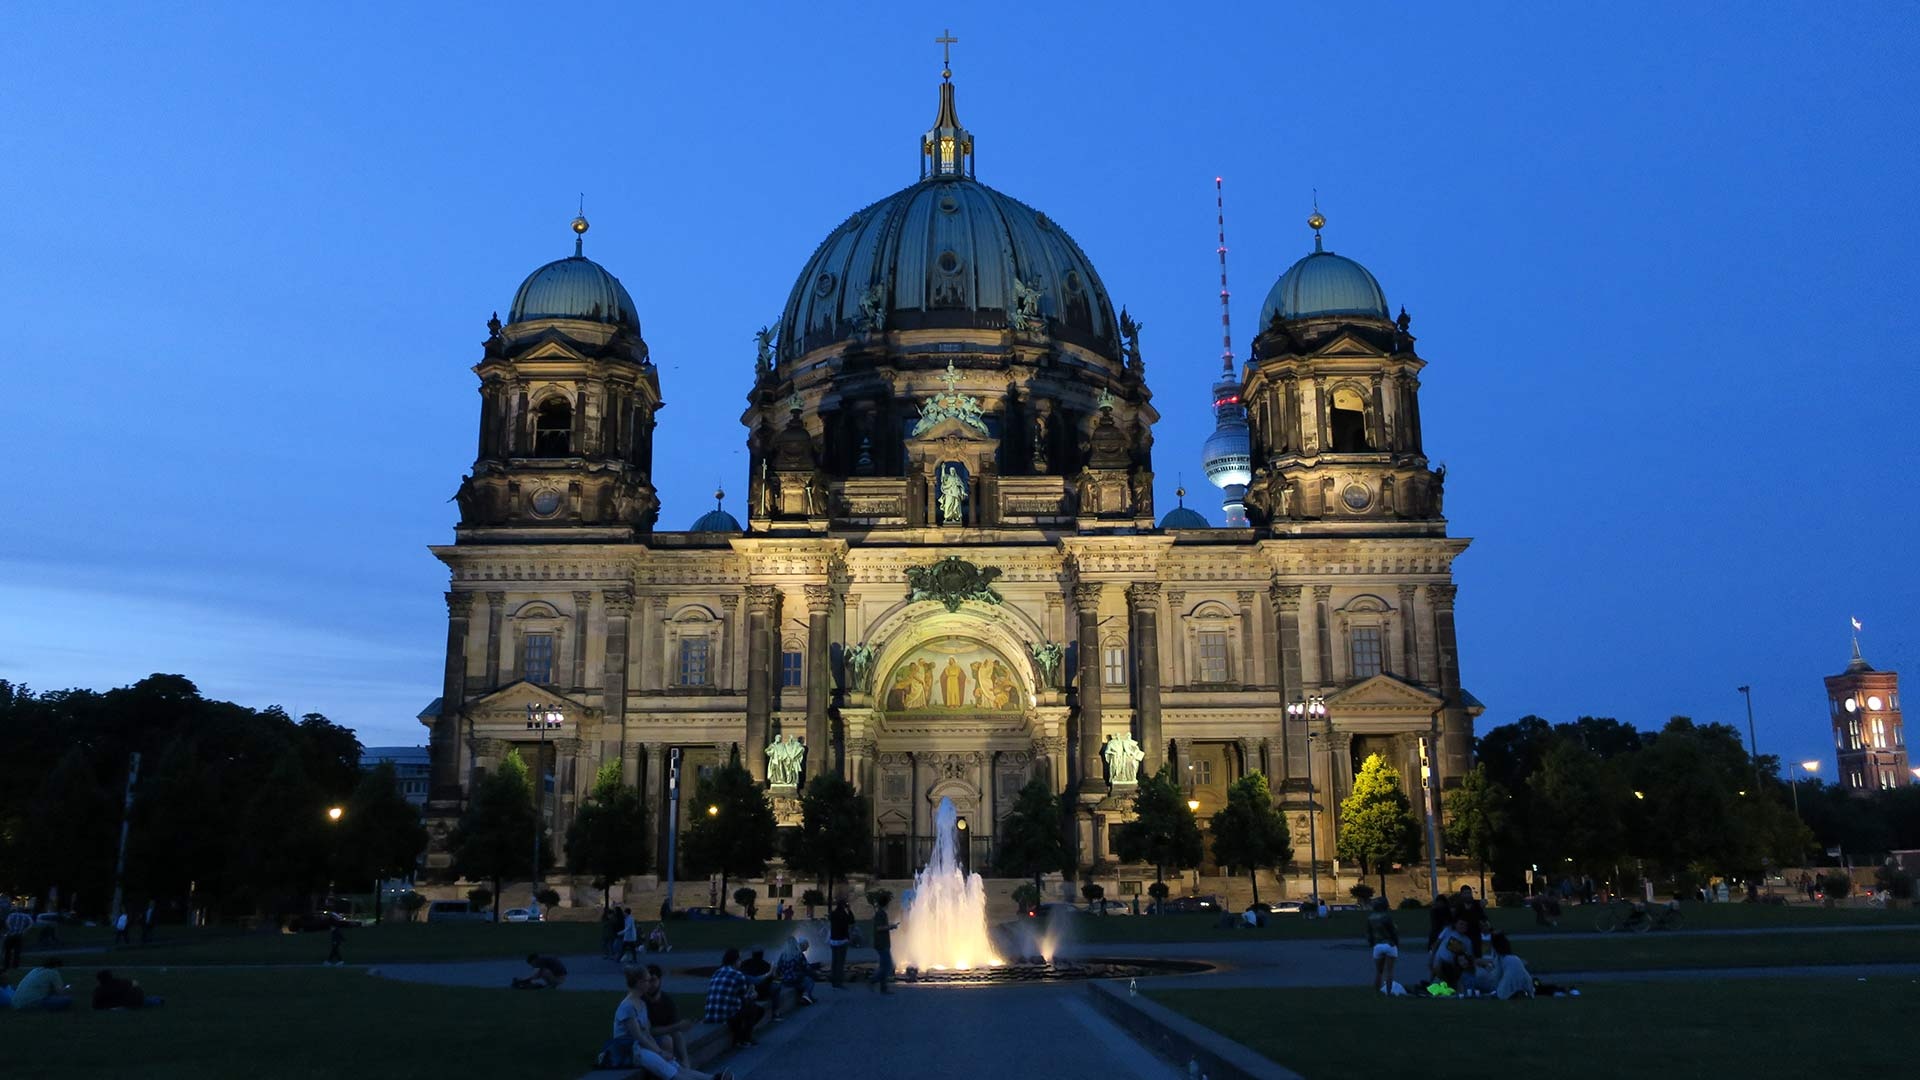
x,y
1158,890
812,899
745,897
1094,894
548,898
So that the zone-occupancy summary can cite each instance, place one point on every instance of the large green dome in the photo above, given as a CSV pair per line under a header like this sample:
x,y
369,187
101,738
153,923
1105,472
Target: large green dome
x,y
574,288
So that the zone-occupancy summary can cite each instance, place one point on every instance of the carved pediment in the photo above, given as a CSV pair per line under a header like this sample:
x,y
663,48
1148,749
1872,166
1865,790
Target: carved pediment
x,y
1384,694
509,704
553,348
1345,345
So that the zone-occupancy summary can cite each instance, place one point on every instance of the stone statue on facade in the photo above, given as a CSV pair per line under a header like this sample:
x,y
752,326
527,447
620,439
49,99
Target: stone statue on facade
x,y
859,661
784,755
763,341
1048,655
1130,338
1026,306
953,496
873,309
1123,760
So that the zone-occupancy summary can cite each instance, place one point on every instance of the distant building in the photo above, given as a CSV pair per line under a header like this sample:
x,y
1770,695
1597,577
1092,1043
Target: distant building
x,y
412,766
1864,705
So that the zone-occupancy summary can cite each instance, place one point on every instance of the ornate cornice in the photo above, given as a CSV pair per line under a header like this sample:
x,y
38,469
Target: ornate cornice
x,y
459,605
819,599
1144,594
619,602
1285,597
762,598
1086,595
1441,596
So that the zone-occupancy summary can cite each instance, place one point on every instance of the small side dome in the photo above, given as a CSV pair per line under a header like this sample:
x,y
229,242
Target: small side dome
x,y
1324,284
1182,518
717,519
574,288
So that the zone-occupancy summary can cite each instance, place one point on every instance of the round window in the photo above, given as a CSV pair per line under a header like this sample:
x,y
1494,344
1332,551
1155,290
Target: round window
x,y
948,262
823,285
1852,705
546,501
949,204
1356,496
1874,703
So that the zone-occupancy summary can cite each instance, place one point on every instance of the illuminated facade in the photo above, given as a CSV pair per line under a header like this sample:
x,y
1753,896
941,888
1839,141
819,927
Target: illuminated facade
x,y
949,579
1870,745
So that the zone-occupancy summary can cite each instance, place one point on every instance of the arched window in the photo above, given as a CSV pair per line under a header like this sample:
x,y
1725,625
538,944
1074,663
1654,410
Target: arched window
x,y
1113,662
1349,419
553,428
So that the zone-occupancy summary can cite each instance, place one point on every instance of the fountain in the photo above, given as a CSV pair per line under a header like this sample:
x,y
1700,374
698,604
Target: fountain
x,y
943,926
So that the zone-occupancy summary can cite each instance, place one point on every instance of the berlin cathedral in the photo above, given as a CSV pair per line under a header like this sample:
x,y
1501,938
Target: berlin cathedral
x,y
951,578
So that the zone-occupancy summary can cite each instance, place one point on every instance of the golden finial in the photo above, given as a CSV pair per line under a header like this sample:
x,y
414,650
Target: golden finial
x,y
1316,220
946,41
580,227
719,497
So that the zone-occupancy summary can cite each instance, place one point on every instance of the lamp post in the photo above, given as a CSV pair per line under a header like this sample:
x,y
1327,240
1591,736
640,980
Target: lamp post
x,y
1305,712
673,821
1808,768
540,718
1753,743
334,814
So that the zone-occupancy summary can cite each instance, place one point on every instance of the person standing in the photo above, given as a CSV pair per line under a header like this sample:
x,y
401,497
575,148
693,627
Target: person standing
x,y
336,937
120,935
629,937
839,936
610,933
1384,940
882,944
146,923
19,921
730,1000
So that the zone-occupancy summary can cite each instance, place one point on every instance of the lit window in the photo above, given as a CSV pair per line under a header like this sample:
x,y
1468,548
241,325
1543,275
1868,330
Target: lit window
x,y
694,661
790,665
1203,772
1116,665
1366,652
1879,733
539,666
1213,656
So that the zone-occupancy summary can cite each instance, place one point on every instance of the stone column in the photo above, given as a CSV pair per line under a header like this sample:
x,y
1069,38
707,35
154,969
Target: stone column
x,y
1182,762
761,600
445,737
655,797
1249,756
859,757
496,612
1286,613
582,609
819,753
724,679
1249,660
1323,632
1456,727
618,603
1176,605
1144,596
1086,602
1409,635
647,644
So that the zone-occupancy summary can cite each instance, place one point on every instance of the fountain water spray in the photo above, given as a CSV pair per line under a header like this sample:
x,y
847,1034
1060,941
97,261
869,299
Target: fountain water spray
x,y
943,926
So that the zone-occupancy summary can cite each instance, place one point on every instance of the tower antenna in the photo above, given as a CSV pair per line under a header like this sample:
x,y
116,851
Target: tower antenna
x,y
1226,315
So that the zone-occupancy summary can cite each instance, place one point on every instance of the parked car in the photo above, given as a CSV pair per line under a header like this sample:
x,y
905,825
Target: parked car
x,y
1058,907
711,913
1208,903
455,911
520,914
1110,907
1286,907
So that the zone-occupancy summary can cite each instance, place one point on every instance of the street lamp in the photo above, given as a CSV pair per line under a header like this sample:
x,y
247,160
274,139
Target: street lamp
x,y
334,814
1809,768
713,810
540,718
673,821
1305,712
1752,742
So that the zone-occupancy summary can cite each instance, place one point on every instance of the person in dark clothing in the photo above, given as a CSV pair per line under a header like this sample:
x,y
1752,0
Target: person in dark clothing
x,y
663,1018
336,937
548,973
839,936
759,972
117,993
883,944
1439,917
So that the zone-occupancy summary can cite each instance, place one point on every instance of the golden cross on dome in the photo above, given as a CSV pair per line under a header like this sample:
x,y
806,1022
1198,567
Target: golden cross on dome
x,y
951,378
946,41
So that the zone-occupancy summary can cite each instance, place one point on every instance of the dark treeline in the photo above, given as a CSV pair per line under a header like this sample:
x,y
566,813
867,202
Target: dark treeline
x,y
1601,798
229,813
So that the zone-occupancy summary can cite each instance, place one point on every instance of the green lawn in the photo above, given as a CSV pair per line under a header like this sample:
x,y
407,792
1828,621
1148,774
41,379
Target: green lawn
x,y
1122,929
1742,1027
316,1023
1644,952
398,942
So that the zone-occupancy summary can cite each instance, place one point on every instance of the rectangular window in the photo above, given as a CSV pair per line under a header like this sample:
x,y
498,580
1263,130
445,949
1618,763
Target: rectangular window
x,y
1879,733
1129,888
1203,772
790,664
1213,656
1116,666
694,662
1366,651
539,665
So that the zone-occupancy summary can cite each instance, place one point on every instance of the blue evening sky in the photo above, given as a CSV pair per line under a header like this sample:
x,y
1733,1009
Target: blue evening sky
x,y
1661,259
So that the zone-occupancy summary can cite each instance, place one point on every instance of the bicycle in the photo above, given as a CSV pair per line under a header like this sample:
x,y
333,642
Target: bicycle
x,y
1635,917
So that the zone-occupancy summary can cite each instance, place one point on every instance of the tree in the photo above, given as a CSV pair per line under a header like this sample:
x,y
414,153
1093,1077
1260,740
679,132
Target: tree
x,y
733,827
1030,842
1248,833
494,838
608,837
1094,892
835,837
381,835
1577,810
290,842
1477,818
1163,831
1376,820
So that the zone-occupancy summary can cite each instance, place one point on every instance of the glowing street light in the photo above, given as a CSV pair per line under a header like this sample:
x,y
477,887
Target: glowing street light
x,y
713,810
1793,782
1306,711
1639,794
334,814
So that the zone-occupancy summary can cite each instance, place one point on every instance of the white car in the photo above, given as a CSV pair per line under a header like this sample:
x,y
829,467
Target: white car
x,y
521,914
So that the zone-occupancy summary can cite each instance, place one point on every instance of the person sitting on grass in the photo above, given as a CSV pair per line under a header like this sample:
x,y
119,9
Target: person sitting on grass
x,y
794,971
1384,939
1502,975
663,1017
632,1045
730,1000
548,973
115,993
1452,953
42,988
657,939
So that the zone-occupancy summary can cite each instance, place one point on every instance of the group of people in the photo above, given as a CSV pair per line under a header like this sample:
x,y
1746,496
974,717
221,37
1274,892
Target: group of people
x,y
45,989
620,935
1464,953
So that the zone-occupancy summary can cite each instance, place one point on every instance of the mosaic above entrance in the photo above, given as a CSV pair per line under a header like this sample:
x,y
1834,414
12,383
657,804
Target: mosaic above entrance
x,y
952,675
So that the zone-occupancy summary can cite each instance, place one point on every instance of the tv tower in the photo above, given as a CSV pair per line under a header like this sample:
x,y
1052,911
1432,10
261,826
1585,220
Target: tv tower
x,y
1227,455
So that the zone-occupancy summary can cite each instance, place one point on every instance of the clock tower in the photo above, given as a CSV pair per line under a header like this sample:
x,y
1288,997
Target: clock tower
x,y
1864,705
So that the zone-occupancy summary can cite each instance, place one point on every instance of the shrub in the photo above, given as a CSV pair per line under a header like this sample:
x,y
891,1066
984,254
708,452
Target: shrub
x,y
1362,892
480,897
745,898
1026,896
1836,886
879,898
411,903
1410,903
1158,890
1093,892
812,898
549,898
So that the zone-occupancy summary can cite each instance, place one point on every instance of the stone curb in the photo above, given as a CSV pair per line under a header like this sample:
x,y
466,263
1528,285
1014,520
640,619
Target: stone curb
x,y
1181,1040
